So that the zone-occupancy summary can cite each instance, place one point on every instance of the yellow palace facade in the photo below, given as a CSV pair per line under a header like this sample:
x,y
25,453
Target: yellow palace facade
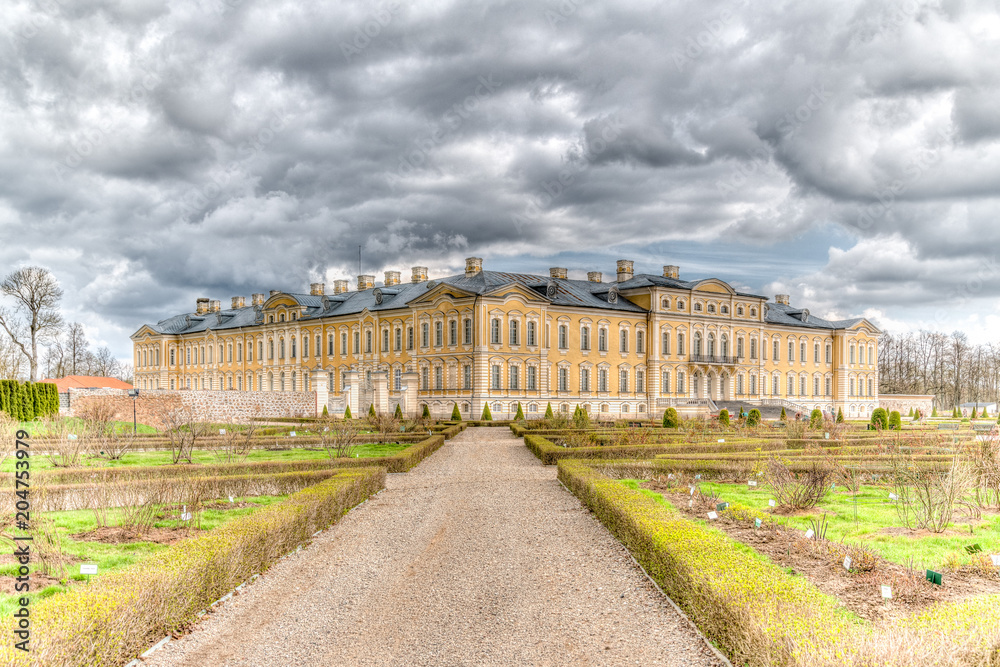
x,y
626,347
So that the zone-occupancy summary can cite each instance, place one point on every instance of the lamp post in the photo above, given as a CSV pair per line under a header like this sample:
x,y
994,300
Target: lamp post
x,y
134,393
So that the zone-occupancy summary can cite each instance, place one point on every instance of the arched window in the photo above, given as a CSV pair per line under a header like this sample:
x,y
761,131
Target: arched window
x,y
640,342
753,312
172,358
697,344
697,307
724,310
739,311
680,304
563,337
294,347
602,339
725,346
281,318
853,353
666,304
711,345
270,348
281,347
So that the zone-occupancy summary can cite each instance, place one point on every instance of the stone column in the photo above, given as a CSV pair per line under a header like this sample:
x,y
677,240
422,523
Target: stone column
x,y
410,381
381,399
320,386
352,392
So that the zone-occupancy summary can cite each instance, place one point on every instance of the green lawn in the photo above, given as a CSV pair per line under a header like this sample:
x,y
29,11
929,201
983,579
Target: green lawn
x,y
209,457
875,512
35,428
111,557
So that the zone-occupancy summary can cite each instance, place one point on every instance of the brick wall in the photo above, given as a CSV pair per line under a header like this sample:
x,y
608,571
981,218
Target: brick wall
x,y
220,406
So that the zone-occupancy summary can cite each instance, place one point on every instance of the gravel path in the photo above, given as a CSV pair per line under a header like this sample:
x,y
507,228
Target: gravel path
x,y
476,557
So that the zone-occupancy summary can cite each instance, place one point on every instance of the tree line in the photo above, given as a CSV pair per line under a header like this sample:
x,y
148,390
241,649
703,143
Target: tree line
x,y
37,340
948,366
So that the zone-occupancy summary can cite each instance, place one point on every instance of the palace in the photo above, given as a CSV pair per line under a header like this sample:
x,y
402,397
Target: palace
x,y
628,347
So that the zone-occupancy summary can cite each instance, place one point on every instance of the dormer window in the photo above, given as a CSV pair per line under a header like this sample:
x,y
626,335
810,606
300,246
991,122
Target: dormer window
x,y
711,308
666,304
739,311
725,310
680,305
753,312
697,307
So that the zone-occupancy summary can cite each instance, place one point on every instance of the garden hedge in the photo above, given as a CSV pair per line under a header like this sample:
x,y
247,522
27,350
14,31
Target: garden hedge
x,y
121,614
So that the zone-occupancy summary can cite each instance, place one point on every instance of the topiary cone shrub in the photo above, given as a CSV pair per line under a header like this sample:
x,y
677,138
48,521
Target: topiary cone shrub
x,y
840,416
371,410
895,421
456,415
671,418
880,419
548,411
347,413
426,413
520,413
934,412
784,417
753,418
398,414
326,413
816,419
973,413
724,417
487,415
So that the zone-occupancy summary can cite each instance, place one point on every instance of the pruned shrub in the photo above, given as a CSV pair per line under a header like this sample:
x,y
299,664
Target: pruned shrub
x,y
456,415
926,498
520,413
426,412
816,419
724,417
487,415
895,421
548,411
880,419
798,491
671,418
580,418
753,417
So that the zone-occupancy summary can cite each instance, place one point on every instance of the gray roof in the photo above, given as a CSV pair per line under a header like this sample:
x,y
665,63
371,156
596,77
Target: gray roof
x,y
558,291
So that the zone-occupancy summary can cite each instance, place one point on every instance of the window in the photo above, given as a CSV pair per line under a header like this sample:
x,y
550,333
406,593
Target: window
x,y
585,338
602,379
188,355
385,340
725,346
584,379
802,386
319,345
666,304
697,344
357,342
829,386
466,377
623,380
293,347
711,308
399,339
852,356
640,381
777,345
563,337
281,348
397,377
438,377
852,387
468,332
425,378
680,343
563,379
791,385
495,331
260,349
753,385
532,333
739,385
409,338
343,343
640,342
871,387
739,311
724,310
172,357
453,332
368,342
281,318
532,378
815,386
438,334
802,352
829,353
305,346
774,385
665,343
681,383
665,383
270,348
425,335
602,340
791,351
494,376
680,305
622,341
697,307
515,376
861,354
816,353
739,348
513,333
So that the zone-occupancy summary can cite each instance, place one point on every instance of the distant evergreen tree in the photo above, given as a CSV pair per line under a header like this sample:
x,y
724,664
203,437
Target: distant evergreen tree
x,y
326,413
840,416
520,413
371,410
724,417
816,419
784,417
426,413
548,411
753,418
347,412
934,411
487,415
398,414
456,415
911,413
973,413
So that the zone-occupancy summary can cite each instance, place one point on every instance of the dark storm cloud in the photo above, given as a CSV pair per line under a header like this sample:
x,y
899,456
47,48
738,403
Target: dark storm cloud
x,y
151,153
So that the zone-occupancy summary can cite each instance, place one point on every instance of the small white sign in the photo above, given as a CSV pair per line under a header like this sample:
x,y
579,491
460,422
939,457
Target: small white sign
x,y
893,496
770,503
690,503
826,435
326,428
186,516
292,434
222,431
670,476
713,516
71,436
230,499
692,490
847,563
722,439
752,482
996,560
887,592
757,522
88,568
697,476
809,534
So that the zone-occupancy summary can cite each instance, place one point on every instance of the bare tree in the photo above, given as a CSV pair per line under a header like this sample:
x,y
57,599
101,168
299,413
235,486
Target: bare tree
x,y
35,317
105,363
77,349
11,359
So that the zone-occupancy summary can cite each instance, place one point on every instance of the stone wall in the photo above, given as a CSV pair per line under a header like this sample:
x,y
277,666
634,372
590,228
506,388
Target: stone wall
x,y
222,406
903,403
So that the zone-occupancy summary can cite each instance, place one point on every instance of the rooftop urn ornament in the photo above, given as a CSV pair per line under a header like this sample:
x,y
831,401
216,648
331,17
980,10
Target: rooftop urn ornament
x,y
613,294
550,290
378,296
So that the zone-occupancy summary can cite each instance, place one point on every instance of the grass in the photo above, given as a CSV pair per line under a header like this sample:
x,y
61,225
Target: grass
x,y
74,424
110,557
875,512
203,456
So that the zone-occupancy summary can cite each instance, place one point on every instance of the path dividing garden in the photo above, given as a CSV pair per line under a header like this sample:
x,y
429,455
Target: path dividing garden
x,y
476,557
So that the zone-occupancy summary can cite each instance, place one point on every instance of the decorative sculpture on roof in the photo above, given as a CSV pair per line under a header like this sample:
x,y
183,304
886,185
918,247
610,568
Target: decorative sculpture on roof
x,y
613,294
550,290
326,302
378,295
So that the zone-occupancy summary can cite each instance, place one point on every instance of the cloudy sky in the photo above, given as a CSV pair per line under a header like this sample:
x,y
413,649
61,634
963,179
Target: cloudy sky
x,y
846,152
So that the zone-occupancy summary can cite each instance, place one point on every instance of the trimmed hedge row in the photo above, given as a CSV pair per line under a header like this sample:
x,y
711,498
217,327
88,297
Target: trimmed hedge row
x,y
743,602
122,613
26,400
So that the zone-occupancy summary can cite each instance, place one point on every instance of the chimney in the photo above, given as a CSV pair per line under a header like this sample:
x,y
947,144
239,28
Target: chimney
x,y
317,289
239,302
781,298
557,272
594,276
201,306
392,278
473,265
339,286
256,299
215,305
275,291
624,270
671,271
365,282
419,274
